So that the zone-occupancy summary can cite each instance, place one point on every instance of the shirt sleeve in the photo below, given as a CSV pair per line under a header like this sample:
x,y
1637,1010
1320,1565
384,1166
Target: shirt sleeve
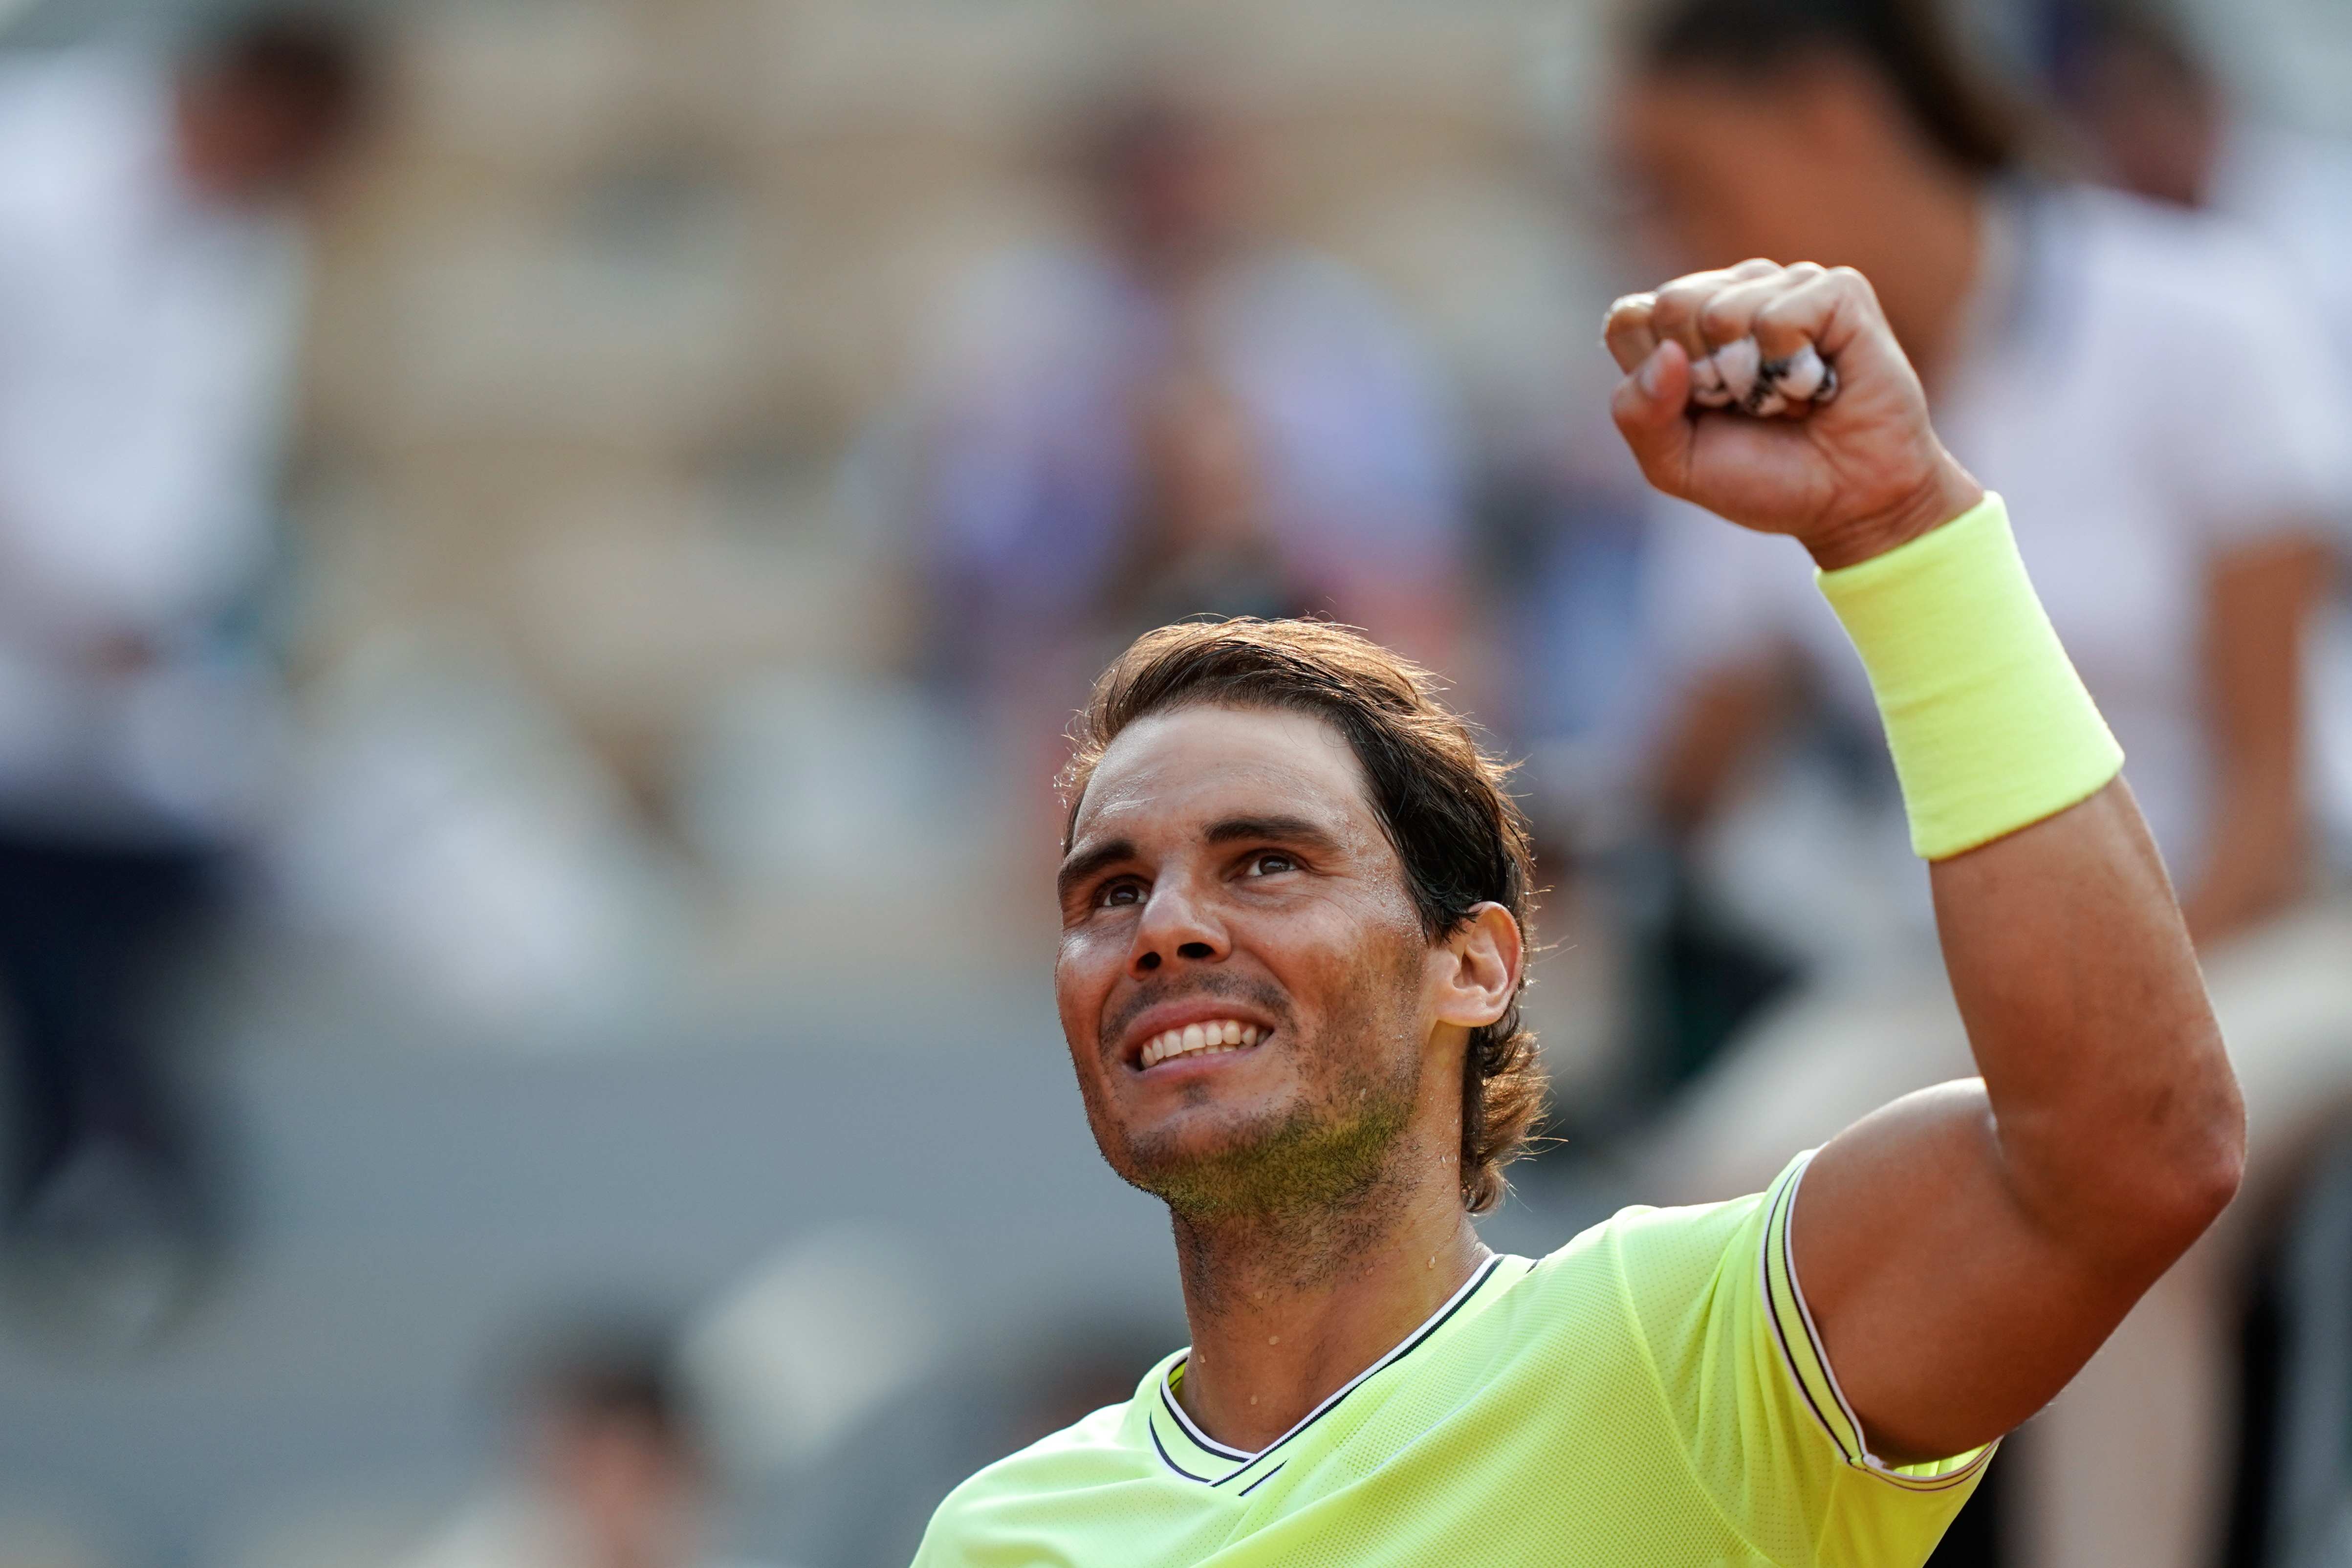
x,y
1715,1303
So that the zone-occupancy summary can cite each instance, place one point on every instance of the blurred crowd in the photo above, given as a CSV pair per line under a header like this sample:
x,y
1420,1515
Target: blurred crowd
x,y
355,683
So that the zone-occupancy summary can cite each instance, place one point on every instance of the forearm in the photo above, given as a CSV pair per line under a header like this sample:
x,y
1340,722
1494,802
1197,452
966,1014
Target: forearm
x,y
2116,1117
1964,1250
1967,1250
2110,1094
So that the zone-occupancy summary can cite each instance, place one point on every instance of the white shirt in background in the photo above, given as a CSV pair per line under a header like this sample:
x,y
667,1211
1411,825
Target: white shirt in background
x,y
146,342
2147,391
2294,189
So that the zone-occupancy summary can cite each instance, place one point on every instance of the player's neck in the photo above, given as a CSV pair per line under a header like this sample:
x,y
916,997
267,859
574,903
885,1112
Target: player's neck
x,y
1286,1307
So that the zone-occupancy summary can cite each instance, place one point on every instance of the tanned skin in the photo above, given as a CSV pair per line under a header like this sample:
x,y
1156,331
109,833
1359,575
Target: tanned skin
x,y
1963,1250
1228,863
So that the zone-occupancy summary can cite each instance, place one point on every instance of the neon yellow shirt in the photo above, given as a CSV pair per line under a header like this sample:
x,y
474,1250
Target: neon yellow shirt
x,y
1651,1396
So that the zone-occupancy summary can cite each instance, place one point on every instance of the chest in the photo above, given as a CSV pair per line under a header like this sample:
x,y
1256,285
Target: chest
x,y
1579,1477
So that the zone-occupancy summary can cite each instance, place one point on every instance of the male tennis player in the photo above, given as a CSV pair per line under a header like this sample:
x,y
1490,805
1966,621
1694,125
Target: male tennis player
x,y
1293,911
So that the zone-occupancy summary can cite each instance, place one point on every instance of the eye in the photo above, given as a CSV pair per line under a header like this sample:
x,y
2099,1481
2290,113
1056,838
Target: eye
x,y
1269,863
1122,894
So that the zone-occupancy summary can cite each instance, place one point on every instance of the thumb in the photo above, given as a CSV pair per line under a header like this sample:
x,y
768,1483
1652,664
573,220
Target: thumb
x,y
1648,408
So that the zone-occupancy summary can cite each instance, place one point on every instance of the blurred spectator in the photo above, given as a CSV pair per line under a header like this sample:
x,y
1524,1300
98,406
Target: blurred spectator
x,y
2151,115
2175,536
1175,415
2147,115
151,284
609,1470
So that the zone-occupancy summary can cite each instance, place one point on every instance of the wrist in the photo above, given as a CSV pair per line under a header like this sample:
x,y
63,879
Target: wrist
x,y
1989,726
1945,492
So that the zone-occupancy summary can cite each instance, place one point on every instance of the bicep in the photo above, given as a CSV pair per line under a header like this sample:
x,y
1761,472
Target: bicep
x,y
1947,1313
1967,1248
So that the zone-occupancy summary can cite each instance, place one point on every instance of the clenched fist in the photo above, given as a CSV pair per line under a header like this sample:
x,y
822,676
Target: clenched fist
x,y
1849,479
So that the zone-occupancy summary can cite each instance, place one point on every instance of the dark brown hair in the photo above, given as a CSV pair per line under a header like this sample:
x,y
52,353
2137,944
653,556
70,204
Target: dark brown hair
x,y
618,1371
1440,798
314,62
2077,33
1905,42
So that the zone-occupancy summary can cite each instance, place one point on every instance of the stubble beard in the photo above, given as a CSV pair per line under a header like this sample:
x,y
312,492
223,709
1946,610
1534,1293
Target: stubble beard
x,y
1306,1181
1325,1150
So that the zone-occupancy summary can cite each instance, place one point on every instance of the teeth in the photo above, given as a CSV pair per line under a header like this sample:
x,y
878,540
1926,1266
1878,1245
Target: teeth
x,y
1209,1039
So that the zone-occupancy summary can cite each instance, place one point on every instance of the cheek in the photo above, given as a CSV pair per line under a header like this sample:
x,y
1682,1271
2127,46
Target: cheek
x,y
1084,967
1372,972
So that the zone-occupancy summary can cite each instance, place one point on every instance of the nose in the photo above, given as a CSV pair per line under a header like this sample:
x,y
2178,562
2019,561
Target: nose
x,y
1177,925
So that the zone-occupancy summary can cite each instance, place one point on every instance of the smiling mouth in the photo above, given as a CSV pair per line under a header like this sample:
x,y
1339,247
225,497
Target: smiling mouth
x,y
1204,1038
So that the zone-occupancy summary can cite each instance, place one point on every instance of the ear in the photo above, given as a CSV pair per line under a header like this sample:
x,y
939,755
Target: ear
x,y
1476,969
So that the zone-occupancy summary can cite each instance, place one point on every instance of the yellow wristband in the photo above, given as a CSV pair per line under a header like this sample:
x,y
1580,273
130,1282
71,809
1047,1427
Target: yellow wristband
x,y
1991,727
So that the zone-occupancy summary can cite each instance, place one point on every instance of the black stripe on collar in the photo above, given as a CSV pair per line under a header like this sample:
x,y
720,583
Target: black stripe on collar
x,y
1246,1461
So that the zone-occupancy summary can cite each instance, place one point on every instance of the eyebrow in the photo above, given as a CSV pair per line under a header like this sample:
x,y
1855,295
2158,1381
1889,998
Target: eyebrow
x,y
1281,830
1083,865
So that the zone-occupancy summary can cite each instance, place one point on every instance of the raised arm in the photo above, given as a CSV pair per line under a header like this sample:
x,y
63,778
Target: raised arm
x,y
1967,1248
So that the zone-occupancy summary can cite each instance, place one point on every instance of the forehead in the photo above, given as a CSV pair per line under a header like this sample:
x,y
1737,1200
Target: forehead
x,y
1687,108
1172,772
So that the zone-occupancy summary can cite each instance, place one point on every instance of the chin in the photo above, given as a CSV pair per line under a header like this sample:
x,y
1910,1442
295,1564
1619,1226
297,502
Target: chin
x,y
1172,1148
1208,1164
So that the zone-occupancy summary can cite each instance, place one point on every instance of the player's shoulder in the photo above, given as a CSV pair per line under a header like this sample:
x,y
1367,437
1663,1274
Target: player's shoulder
x,y
1079,1454
1644,1236
1643,1254
1670,1271
1097,1449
